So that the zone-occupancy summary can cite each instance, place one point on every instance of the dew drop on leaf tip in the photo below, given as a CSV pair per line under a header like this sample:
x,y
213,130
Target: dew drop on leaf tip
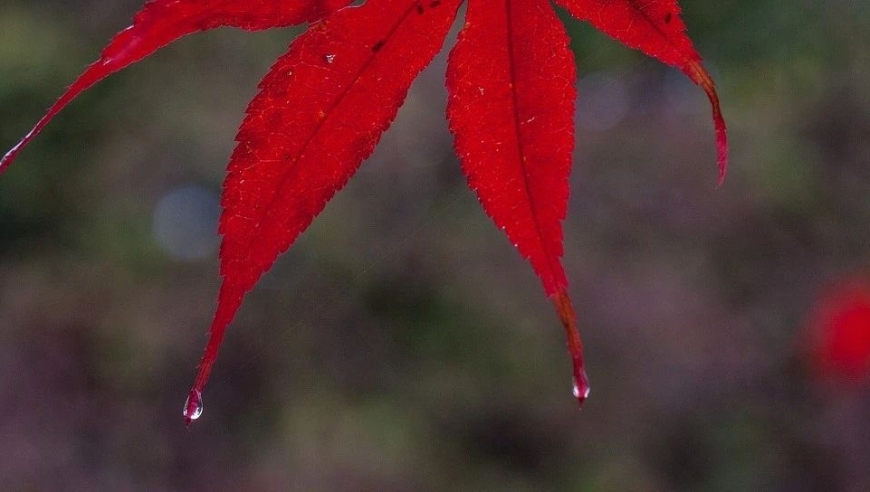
x,y
580,391
192,406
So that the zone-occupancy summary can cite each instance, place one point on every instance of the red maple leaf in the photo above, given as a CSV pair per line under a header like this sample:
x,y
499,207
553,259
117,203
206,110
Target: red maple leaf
x,y
324,105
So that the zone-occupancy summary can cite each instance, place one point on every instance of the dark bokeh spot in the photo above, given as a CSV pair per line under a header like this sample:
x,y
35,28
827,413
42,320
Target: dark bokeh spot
x,y
510,439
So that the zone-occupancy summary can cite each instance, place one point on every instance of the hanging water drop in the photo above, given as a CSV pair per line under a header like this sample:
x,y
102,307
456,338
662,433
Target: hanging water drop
x,y
192,406
580,390
329,58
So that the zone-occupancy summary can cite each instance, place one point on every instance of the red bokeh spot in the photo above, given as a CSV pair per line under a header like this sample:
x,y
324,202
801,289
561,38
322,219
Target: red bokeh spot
x,y
840,332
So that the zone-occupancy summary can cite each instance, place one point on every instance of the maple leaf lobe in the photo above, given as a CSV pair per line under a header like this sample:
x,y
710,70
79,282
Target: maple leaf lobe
x,y
306,135
513,73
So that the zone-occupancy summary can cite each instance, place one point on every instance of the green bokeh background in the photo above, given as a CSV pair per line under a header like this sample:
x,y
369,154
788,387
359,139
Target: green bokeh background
x,y
402,344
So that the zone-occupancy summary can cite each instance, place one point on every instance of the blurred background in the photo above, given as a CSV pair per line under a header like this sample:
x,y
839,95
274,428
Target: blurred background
x,y
402,344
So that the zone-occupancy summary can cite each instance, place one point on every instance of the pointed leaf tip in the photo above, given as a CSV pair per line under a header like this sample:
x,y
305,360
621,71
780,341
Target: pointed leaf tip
x,y
657,29
700,76
229,301
575,346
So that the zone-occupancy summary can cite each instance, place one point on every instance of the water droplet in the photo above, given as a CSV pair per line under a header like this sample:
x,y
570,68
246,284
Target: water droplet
x,y
329,58
193,406
580,393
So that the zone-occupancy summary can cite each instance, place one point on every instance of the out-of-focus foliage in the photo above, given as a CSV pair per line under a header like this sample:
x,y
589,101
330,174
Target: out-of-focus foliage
x,y
838,333
402,344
